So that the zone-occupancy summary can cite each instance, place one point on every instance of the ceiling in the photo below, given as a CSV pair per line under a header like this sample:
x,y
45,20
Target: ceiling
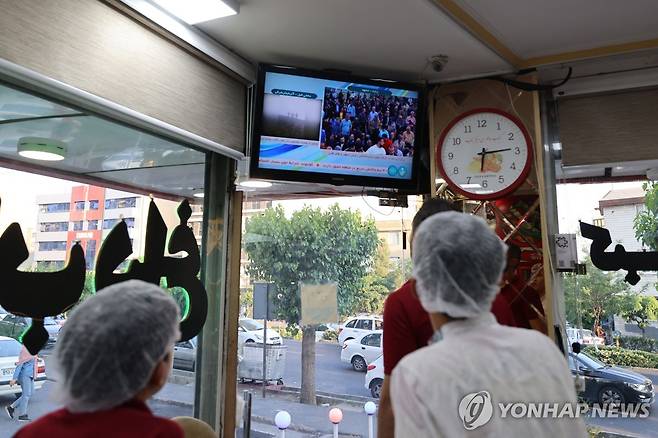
x,y
97,150
393,39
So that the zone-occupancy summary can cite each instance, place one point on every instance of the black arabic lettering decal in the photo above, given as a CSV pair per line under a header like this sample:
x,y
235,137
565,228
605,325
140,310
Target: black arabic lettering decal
x,y
178,271
632,262
37,295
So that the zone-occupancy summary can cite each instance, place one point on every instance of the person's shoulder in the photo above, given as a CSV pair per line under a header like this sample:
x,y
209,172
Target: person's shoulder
x,y
400,295
41,426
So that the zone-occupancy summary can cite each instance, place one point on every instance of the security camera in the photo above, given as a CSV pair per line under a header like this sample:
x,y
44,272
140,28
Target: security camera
x,y
438,62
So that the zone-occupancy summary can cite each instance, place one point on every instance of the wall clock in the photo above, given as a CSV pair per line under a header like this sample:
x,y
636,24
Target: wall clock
x,y
484,153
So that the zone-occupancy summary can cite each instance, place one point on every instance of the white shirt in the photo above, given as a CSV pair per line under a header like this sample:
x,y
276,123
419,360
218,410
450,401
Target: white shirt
x,y
478,354
375,149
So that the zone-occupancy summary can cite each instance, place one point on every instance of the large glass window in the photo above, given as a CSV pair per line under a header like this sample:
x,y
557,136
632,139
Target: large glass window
x,y
120,203
48,227
93,204
52,246
55,208
92,224
77,225
79,205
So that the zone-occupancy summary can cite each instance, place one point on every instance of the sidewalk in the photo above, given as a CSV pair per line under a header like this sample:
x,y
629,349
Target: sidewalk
x,y
307,420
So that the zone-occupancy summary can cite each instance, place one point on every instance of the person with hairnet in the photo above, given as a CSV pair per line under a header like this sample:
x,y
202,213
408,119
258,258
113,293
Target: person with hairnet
x,y
112,355
460,385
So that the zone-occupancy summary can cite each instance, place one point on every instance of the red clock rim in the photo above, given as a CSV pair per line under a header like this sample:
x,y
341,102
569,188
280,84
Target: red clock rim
x,y
489,196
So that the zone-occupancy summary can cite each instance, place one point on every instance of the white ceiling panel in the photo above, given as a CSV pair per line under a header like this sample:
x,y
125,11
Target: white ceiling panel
x,y
532,28
376,38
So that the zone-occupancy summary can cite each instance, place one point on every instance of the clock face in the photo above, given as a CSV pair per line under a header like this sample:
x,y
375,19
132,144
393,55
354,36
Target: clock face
x,y
485,154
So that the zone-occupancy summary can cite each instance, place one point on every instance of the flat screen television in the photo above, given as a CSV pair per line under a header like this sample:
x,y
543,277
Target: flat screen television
x,y
336,129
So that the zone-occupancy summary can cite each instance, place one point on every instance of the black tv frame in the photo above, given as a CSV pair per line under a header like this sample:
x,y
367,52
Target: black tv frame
x,y
411,186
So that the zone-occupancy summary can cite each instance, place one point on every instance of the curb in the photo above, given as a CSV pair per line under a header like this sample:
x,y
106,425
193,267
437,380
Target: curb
x,y
301,428
166,401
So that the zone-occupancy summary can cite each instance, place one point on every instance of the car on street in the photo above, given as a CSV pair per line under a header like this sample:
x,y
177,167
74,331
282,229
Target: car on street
x,y
53,326
607,384
185,355
375,377
584,336
359,326
9,350
323,329
250,330
13,326
360,352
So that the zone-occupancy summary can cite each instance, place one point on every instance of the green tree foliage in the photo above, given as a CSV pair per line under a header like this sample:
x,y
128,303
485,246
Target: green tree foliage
x,y
311,246
645,223
598,295
643,310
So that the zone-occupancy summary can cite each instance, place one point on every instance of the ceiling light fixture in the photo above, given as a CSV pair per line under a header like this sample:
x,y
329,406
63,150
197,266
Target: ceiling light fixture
x,y
43,149
255,184
199,11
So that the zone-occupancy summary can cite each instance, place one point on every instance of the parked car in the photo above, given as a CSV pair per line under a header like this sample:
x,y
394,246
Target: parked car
x,y
250,330
584,336
326,328
363,351
13,326
52,326
606,384
357,327
375,377
185,355
9,350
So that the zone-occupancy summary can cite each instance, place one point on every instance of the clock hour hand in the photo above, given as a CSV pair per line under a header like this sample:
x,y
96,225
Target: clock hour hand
x,y
484,151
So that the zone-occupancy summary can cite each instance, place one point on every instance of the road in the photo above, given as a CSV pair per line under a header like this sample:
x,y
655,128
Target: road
x,y
331,375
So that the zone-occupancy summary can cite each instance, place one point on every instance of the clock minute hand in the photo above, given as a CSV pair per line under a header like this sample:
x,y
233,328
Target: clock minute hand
x,y
484,151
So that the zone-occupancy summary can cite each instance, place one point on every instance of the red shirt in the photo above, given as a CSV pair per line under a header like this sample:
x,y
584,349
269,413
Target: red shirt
x,y
502,311
407,325
132,419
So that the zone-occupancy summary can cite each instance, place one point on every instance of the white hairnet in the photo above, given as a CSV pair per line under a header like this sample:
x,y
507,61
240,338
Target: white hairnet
x,y
458,263
111,343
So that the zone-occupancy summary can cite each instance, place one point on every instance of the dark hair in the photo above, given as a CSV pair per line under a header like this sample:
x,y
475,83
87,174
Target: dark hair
x,y
429,208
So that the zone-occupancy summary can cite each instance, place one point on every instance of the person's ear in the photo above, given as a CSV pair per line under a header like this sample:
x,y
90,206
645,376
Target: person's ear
x,y
161,373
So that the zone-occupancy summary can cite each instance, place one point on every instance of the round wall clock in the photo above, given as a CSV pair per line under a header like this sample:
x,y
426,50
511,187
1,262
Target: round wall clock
x,y
484,153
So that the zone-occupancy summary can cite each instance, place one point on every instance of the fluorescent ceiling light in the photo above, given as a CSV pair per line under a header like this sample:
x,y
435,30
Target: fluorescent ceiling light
x,y
255,184
198,11
43,149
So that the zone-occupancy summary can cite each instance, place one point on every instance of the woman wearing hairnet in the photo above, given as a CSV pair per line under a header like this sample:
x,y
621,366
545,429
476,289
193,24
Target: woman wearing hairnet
x,y
114,353
453,387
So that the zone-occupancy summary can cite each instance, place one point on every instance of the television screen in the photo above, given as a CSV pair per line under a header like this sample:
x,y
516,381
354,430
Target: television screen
x,y
313,126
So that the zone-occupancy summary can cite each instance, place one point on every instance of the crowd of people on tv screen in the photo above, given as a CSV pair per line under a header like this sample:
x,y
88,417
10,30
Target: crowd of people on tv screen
x,y
369,123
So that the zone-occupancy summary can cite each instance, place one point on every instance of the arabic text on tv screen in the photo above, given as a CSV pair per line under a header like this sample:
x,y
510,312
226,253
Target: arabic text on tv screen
x,y
331,127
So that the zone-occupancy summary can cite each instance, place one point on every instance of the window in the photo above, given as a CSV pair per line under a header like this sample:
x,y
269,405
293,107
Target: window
x,y
52,246
55,208
50,265
600,222
79,205
110,223
9,348
77,225
120,203
393,238
93,204
374,340
379,325
50,227
351,324
90,253
130,222
364,324
92,225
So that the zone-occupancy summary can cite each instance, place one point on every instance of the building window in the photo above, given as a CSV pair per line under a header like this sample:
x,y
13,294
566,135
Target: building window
x,y
49,265
120,203
110,223
92,225
393,238
52,246
77,225
51,227
93,204
90,253
79,205
600,222
55,208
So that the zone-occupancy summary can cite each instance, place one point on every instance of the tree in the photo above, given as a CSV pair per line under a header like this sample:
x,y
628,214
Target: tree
x,y
644,309
314,247
645,223
597,295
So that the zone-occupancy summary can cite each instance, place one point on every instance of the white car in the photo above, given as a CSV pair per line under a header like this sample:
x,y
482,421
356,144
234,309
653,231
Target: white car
x,y
9,350
357,327
250,330
375,377
361,352
584,336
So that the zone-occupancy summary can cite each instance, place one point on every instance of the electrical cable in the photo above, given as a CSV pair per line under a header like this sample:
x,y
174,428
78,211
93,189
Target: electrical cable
x,y
526,86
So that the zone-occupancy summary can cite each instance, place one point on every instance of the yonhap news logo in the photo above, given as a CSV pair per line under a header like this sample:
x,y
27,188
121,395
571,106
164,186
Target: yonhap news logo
x,y
476,409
